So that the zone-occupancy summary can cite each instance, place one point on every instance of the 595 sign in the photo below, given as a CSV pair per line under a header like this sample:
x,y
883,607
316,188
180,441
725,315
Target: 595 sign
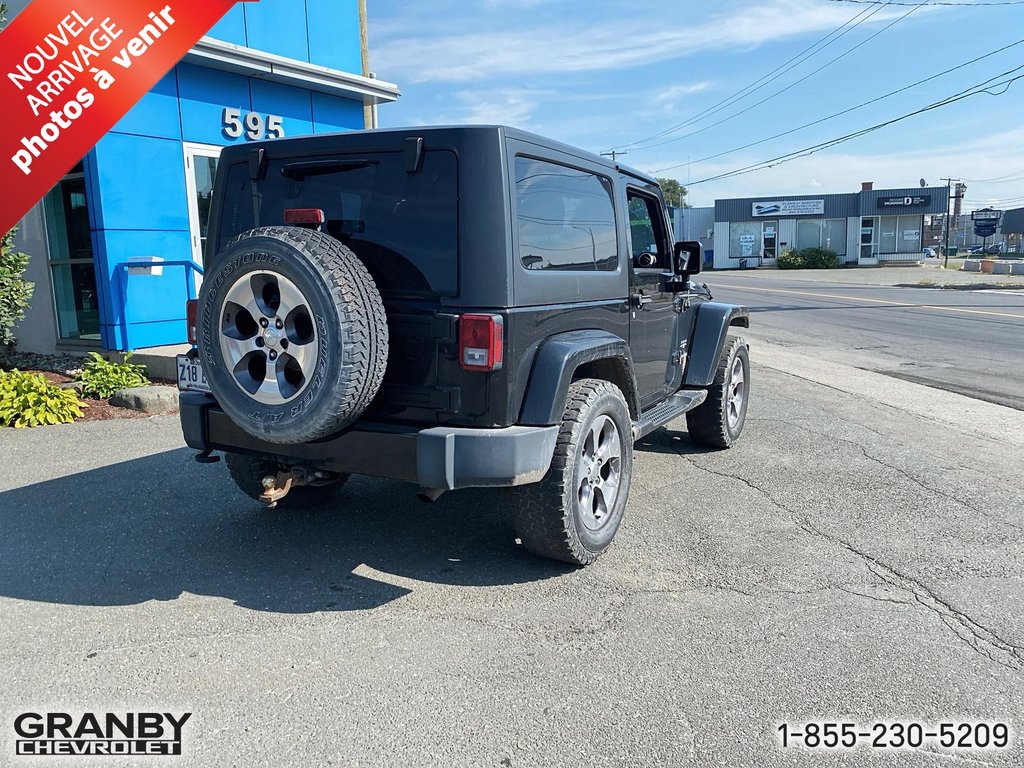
x,y
253,125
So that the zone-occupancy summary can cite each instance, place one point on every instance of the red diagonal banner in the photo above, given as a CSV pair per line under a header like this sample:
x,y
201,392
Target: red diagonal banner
x,y
70,69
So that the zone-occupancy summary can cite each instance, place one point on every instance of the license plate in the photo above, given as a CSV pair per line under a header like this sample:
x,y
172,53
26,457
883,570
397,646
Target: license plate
x,y
190,375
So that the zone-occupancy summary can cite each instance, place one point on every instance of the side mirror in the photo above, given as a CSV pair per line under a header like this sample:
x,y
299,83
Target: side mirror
x,y
689,258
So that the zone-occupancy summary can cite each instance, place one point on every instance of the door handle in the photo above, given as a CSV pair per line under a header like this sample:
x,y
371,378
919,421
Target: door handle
x,y
641,300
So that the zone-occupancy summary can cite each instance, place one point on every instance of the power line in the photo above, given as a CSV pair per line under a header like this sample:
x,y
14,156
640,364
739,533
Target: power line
x,y
947,4
788,87
853,109
973,90
995,179
738,95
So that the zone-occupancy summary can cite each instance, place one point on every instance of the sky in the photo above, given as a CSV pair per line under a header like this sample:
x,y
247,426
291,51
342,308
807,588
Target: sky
x,y
706,79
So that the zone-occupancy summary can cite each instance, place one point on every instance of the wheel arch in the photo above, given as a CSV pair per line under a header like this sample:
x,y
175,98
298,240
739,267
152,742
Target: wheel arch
x,y
710,332
570,356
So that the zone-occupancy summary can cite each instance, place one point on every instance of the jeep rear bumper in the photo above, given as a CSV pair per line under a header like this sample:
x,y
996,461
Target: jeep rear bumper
x,y
444,458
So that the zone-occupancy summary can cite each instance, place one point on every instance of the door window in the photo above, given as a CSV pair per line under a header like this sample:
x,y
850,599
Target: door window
x,y
66,209
647,231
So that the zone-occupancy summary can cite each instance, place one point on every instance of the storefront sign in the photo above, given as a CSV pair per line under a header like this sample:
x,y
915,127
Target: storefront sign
x,y
70,69
789,208
987,214
910,201
911,234
746,245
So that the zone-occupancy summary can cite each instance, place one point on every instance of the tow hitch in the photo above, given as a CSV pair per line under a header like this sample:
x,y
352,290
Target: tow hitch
x,y
276,487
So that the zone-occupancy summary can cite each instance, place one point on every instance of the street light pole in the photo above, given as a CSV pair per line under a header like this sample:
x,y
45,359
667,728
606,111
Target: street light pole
x,y
945,247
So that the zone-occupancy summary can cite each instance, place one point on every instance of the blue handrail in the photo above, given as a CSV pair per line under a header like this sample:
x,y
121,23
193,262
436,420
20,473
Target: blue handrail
x,y
190,285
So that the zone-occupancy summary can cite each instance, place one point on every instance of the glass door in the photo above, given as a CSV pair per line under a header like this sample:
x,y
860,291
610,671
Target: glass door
x,y
769,242
200,173
72,271
867,238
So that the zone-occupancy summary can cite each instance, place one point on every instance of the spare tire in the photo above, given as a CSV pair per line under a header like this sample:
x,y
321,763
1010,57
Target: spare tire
x,y
292,334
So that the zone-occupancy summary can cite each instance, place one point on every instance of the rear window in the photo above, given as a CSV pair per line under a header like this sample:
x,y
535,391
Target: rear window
x,y
565,218
403,226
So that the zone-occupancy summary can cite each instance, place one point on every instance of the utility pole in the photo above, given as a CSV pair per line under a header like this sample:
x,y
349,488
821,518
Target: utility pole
x,y
369,117
949,197
613,154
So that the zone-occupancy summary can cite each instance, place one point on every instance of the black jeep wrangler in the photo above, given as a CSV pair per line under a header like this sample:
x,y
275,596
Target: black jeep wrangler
x,y
453,307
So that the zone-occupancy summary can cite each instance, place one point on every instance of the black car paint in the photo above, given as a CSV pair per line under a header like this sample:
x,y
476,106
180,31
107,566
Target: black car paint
x,y
424,385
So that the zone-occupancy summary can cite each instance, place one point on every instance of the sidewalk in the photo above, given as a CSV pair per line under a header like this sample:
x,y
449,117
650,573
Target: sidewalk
x,y
926,274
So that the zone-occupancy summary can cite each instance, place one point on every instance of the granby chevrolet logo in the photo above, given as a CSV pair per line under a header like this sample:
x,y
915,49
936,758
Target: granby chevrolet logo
x,y
123,733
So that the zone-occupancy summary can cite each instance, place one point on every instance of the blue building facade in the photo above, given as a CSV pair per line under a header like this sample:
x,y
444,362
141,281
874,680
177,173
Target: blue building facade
x,y
116,245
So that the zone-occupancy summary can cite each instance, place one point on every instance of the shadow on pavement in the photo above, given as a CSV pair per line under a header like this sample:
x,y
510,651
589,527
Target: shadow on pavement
x,y
668,440
154,527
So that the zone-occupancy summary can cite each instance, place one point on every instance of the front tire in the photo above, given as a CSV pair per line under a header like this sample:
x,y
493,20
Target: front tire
x,y
719,420
573,514
248,473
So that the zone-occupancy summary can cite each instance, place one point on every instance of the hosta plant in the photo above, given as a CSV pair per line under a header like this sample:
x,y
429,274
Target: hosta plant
x,y
29,400
101,378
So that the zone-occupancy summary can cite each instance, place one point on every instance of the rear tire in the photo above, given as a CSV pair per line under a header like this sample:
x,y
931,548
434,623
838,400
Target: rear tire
x,y
248,473
573,514
718,421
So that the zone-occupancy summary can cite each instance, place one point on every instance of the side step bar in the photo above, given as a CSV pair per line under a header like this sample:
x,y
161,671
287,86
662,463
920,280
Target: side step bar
x,y
672,408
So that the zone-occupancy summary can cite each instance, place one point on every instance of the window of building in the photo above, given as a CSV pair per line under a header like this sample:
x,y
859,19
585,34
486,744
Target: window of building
x,y
565,218
745,239
900,234
909,228
821,233
66,209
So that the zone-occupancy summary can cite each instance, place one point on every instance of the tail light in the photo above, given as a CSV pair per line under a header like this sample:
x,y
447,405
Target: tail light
x,y
304,217
192,320
480,342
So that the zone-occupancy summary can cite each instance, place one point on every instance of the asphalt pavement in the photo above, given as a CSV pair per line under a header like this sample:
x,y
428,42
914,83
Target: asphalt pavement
x,y
969,341
856,557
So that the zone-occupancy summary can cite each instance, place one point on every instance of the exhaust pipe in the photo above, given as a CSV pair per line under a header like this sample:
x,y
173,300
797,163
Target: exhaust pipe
x,y
429,494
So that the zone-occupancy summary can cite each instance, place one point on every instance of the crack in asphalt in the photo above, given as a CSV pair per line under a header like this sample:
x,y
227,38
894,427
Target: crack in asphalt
x,y
979,638
899,470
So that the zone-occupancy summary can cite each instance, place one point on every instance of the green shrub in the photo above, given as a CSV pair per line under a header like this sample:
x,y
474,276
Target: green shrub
x,y
29,400
790,259
819,258
808,258
15,290
101,378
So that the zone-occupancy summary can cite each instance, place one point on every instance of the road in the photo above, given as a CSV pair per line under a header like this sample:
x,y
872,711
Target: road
x,y
856,557
966,341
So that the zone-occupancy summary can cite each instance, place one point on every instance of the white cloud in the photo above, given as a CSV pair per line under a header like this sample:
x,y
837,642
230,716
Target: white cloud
x,y
416,53
511,106
669,98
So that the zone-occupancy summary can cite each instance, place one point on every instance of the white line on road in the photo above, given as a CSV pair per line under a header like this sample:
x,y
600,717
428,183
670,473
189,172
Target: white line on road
x,y
903,304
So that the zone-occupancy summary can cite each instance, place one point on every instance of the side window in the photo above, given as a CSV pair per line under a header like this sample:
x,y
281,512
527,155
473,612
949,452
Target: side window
x,y
646,231
565,218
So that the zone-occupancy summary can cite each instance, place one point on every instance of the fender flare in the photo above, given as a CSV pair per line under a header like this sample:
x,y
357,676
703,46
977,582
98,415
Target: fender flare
x,y
714,318
557,361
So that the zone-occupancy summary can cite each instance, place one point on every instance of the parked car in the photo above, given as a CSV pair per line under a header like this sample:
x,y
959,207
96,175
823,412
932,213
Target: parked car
x,y
930,253
453,307
987,250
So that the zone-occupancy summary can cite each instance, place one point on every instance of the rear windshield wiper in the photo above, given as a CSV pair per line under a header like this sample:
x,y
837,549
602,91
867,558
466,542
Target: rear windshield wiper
x,y
301,170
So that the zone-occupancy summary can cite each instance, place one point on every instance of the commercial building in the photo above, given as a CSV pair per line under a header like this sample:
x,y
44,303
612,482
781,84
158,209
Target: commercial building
x,y
867,227
116,246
